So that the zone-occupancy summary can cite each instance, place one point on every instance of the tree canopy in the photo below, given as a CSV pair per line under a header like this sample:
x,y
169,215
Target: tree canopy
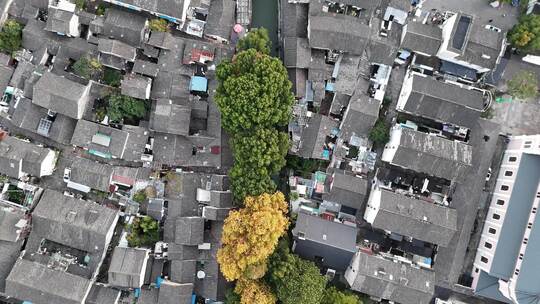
x,y
247,181
11,37
262,148
254,91
122,106
144,231
334,296
158,25
254,291
526,34
251,234
87,67
523,85
256,39
380,133
295,280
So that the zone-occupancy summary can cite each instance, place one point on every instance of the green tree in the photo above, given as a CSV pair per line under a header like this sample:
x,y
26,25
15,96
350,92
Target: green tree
x,y
80,4
380,133
302,283
254,91
523,85
112,77
232,297
144,231
11,37
262,148
256,39
526,34
334,296
87,67
159,25
140,196
247,181
100,11
122,106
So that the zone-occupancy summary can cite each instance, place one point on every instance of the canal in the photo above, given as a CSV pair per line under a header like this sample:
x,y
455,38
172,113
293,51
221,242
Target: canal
x,y
265,14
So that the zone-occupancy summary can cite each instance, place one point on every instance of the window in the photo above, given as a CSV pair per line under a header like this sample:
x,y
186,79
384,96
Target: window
x,y
496,216
516,272
483,259
525,241
512,159
534,210
527,144
529,225
500,202
508,173
492,230
504,187
487,245
521,256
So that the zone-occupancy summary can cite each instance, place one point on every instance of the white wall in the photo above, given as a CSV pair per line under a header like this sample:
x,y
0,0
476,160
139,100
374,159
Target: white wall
x,y
48,164
391,147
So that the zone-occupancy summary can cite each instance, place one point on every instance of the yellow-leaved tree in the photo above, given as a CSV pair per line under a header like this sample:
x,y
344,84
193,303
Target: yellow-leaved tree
x,y
251,234
254,291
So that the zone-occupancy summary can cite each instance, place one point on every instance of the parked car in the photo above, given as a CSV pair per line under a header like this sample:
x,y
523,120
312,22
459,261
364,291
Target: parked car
x,y
67,174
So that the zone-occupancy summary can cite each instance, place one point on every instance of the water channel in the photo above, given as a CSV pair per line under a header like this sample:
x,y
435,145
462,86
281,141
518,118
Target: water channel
x,y
265,14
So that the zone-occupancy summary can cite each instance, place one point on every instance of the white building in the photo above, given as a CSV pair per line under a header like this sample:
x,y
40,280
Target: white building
x,y
506,267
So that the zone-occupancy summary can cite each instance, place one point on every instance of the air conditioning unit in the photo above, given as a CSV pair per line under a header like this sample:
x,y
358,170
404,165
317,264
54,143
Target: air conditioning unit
x,y
330,274
205,246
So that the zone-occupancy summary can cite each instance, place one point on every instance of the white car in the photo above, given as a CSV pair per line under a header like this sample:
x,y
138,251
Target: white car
x,y
67,174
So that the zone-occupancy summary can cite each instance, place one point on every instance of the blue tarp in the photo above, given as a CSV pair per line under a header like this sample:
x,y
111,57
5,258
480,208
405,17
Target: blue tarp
x,y
330,87
198,84
158,282
137,292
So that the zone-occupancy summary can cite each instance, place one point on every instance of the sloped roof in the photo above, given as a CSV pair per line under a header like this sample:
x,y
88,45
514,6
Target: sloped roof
x,y
76,223
170,117
345,34
220,19
423,38
38,283
347,190
189,230
433,155
127,266
419,219
61,95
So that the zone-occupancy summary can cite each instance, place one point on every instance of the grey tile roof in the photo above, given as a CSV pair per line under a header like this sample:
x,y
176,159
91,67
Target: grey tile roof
x,y
61,95
172,8
182,252
9,217
340,33
183,271
444,102
39,284
35,36
58,20
117,48
432,155
146,68
189,230
294,19
92,174
360,116
175,293
76,223
386,279
136,86
16,154
9,253
348,70
164,40
173,86
347,190
28,116
422,38
297,52
169,117
124,26
419,219
136,142
88,134
215,214
127,266
314,136
220,19
178,150
100,294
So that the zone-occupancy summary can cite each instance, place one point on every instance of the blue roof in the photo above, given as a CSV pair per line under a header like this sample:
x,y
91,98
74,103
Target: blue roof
x,y
198,84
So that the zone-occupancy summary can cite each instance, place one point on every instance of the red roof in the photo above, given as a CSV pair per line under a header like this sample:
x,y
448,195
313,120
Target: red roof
x,y
198,54
215,149
123,180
